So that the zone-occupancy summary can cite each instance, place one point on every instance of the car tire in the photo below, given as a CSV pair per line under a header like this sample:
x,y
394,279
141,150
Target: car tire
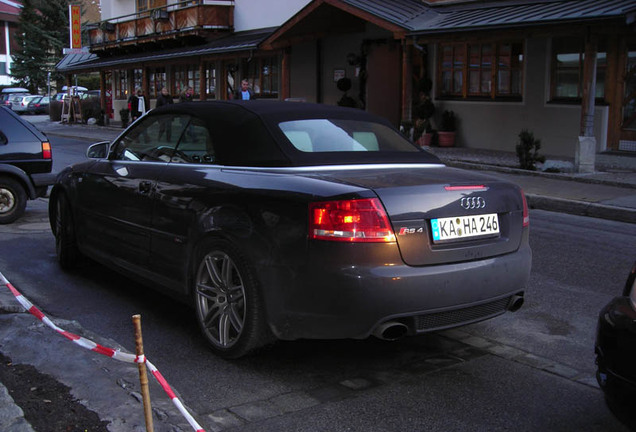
x,y
13,200
68,254
228,304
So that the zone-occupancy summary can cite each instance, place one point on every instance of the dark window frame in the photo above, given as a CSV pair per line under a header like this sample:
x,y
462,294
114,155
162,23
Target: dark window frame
x,y
497,66
574,48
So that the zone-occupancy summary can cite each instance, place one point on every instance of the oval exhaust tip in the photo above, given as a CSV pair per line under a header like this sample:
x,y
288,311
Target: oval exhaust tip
x,y
516,301
390,331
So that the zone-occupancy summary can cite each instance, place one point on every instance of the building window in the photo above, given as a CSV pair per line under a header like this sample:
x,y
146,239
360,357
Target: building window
x,y
187,76
629,98
158,80
491,70
121,84
144,5
210,80
568,58
263,75
138,79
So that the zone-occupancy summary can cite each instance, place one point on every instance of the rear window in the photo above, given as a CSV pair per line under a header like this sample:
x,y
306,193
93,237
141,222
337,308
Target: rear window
x,y
337,135
13,130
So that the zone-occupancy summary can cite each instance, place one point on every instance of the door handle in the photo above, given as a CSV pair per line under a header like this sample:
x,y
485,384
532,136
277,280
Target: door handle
x,y
145,187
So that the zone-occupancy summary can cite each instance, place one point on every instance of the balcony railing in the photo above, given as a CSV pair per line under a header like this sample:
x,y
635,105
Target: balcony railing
x,y
186,18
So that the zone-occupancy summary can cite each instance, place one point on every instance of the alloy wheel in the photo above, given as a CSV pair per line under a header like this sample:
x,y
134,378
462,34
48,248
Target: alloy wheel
x,y
220,296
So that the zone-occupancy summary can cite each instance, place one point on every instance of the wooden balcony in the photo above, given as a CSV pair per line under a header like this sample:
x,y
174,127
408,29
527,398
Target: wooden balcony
x,y
171,22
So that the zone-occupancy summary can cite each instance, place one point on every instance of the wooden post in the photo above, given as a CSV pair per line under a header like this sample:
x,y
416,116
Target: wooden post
x,y
407,73
285,75
589,86
143,376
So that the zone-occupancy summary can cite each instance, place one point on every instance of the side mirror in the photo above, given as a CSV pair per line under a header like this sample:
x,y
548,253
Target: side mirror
x,y
3,138
98,150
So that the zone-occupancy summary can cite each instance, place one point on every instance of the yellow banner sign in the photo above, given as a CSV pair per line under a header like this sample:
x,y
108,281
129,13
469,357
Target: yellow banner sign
x,y
75,26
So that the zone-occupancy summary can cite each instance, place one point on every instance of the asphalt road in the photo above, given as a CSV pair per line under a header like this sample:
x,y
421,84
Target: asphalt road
x,y
527,371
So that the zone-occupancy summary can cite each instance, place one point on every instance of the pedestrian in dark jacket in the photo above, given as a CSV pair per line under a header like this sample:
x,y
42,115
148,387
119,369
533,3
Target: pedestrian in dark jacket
x,y
137,104
187,96
245,92
164,98
165,125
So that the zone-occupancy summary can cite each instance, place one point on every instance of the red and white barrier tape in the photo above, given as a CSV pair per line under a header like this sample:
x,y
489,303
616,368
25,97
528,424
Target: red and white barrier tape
x,y
108,352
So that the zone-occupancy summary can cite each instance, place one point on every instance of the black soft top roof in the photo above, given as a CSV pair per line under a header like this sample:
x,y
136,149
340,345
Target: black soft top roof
x,y
246,133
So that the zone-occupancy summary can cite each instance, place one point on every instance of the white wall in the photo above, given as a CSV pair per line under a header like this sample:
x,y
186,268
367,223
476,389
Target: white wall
x,y
254,14
117,8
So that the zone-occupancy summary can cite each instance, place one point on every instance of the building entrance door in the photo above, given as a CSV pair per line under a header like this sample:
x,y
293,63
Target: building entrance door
x,y
383,82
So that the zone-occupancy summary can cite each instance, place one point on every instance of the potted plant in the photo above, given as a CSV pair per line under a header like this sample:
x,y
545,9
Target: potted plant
x,y
422,133
447,132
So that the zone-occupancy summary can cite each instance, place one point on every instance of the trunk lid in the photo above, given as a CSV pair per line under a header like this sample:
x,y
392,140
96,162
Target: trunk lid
x,y
441,214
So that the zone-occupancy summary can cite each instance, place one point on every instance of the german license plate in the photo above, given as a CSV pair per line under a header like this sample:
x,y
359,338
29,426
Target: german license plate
x,y
461,227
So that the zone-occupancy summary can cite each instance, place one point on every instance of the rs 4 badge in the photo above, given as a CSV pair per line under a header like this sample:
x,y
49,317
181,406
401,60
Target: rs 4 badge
x,y
405,231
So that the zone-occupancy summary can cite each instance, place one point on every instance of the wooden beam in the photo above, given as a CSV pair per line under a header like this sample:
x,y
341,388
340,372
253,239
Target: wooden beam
x,y
285,75
407,71
589,86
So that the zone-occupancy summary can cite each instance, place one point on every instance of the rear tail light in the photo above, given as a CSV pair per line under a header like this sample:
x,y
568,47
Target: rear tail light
x,y
361,220
526,215
46,150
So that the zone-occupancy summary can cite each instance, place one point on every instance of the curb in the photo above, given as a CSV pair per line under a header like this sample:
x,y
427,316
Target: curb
x,y
581,208
554,176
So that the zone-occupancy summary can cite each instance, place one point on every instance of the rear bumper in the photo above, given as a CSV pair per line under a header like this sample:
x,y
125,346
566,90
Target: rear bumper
x,y
43,179
333,300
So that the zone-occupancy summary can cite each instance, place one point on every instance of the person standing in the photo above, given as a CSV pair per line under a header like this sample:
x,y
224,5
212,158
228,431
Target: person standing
x,y
164,98
165,125
245,92
137,104
187,96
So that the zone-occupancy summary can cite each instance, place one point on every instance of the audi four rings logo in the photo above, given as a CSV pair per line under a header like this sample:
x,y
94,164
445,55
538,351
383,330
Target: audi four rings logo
x,y
470,203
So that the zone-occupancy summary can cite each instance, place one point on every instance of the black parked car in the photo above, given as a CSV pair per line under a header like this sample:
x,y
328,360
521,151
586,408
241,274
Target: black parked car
x,y
25,165
291,220
616,352
39,105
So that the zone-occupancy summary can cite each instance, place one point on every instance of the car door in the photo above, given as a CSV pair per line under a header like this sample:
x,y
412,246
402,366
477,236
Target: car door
x,y
116,194
185,180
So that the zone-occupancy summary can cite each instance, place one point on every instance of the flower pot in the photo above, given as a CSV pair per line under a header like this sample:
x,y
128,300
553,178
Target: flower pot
x,y
446,139
425,140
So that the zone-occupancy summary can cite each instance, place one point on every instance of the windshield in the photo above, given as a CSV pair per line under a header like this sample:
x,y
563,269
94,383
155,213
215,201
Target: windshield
x,y
336,135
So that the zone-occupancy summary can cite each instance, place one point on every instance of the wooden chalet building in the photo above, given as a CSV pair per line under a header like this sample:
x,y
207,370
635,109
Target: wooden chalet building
x,y
564,69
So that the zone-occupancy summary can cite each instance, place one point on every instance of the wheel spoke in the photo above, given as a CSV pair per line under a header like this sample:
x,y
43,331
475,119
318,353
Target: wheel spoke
x,y
236,293
227,271
235,315
213,272
208,291
224,330
212,317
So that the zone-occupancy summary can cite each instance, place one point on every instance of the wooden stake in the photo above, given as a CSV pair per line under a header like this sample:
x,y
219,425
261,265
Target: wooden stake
x,y
143,376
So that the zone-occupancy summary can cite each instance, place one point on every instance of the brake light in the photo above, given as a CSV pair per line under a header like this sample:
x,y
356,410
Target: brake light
x,y
46,150
526,215
361,220
465,187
